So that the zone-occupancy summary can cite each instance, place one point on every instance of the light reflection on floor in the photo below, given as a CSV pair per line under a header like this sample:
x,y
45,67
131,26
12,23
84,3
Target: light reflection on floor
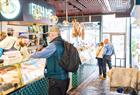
x,y
90,84
85,71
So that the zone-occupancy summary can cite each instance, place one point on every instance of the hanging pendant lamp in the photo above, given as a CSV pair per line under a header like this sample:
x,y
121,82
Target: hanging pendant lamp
x,y
54,19
66,22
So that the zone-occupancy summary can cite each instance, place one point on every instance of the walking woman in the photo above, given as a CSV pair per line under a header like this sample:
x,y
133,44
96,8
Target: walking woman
x,y
99,57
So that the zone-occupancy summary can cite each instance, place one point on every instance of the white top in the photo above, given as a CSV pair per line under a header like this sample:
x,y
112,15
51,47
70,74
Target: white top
x,y
24,52
100,51
8,42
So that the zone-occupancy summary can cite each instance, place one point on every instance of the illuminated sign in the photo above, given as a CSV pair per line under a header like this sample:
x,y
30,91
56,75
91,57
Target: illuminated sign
x,y
39,12
10,9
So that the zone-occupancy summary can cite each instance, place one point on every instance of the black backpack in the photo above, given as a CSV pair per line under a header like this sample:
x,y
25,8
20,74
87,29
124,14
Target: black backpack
x,y
70,60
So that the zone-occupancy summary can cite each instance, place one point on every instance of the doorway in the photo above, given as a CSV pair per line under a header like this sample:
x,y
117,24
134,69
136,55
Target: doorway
x,y
119,42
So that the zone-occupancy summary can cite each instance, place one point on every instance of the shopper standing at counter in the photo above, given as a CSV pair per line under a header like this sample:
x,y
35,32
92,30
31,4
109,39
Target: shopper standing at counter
x,y
8,42
58,77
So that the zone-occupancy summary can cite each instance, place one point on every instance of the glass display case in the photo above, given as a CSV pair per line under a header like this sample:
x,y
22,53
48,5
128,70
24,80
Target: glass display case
x,y
9,79
32,69
17,75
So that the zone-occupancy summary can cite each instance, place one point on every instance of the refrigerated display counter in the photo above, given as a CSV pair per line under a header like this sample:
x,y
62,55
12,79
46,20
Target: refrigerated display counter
x,y
18,75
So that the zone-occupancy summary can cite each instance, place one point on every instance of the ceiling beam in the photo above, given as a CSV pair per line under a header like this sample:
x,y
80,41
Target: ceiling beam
x,y
74,6
81,3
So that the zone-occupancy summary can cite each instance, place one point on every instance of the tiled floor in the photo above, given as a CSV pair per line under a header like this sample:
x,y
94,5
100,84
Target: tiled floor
x,y
85,71
91,84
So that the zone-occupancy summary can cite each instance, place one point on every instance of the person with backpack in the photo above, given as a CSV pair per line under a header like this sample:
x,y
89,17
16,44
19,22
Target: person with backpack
x,y
57,76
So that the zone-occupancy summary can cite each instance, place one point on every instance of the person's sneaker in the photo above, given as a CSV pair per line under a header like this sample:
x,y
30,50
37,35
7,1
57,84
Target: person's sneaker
x,y
109,73
100,76
103,78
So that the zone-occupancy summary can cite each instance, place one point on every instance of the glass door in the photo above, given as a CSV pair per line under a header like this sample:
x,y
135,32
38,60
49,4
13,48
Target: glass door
x,y
118,41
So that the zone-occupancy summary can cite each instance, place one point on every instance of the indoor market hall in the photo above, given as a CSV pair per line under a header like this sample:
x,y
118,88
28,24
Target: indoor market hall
x,y
69,47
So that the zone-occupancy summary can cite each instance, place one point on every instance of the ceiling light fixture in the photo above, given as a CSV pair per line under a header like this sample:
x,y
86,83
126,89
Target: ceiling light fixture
x,y
66,22
54,19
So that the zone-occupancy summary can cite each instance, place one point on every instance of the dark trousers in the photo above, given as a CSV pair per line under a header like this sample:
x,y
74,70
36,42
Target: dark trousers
x,y
102,67
58,87
107,60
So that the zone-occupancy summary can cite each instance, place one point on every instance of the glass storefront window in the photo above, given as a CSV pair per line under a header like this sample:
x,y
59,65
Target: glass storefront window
x,y
135,45
113,24
115,29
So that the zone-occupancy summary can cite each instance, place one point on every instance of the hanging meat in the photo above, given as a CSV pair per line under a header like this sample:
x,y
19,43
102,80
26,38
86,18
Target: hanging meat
x,y
74,28
77,29
81,32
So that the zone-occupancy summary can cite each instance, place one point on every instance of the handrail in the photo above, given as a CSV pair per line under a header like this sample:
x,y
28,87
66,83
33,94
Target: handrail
x,y
120,61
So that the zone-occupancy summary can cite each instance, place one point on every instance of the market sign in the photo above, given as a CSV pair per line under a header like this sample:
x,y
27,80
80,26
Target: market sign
x,y
10,10
39,12
34,11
